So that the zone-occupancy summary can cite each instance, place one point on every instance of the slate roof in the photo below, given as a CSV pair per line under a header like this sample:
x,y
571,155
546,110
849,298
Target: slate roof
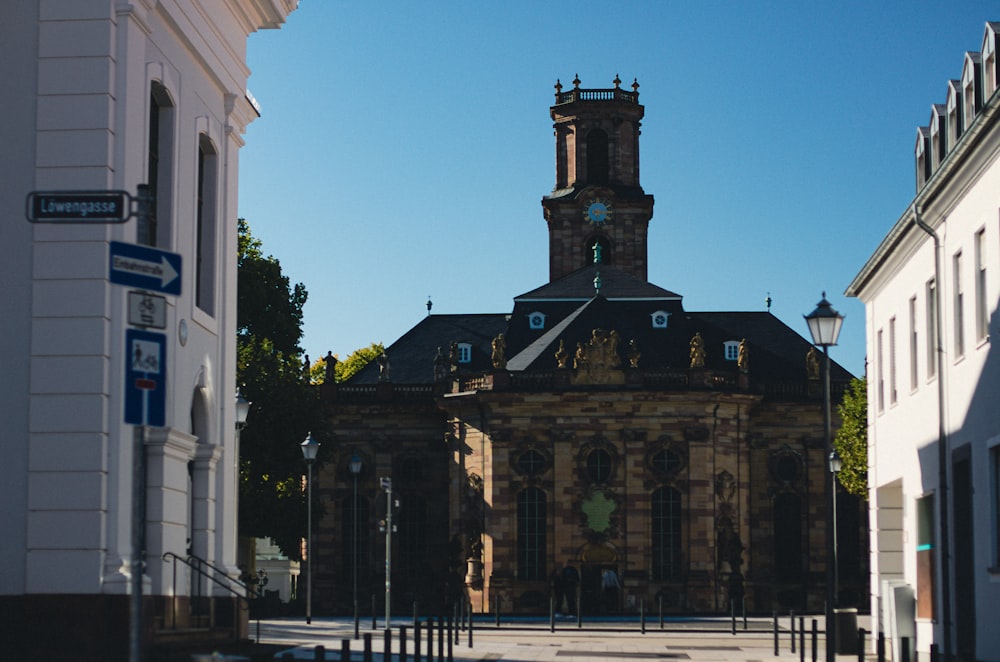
x,y
572,311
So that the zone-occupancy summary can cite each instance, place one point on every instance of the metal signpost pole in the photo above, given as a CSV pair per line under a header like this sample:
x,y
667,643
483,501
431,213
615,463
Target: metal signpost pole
x,y
387,483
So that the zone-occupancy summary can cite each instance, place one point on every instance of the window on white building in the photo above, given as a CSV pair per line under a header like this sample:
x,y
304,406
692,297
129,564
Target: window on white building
x,y
925,557
892,361
913,344
958,305
152,229
205,268
982,310
932,329
880,371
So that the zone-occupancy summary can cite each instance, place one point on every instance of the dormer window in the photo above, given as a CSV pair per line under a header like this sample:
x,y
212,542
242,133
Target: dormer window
x,y
731,350
536,320
659,319
464,352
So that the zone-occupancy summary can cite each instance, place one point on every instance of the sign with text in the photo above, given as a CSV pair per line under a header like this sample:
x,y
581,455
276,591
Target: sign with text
x,y
79,206
145,378
144,267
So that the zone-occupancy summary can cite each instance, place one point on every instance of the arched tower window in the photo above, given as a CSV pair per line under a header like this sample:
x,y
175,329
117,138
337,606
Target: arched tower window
x,y
531,539
598,163
666,530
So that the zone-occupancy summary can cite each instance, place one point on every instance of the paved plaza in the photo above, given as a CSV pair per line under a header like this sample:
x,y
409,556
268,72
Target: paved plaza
x,y
529,640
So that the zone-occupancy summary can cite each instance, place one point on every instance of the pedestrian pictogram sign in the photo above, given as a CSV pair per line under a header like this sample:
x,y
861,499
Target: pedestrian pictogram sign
x,y
145,378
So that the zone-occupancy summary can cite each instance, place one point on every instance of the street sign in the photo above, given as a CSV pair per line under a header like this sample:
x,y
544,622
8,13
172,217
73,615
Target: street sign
x,y
79,206
144,267
147,310
145,378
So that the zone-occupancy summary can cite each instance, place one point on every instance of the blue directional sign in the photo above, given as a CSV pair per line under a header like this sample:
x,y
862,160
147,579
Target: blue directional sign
x,y
145,378
144,267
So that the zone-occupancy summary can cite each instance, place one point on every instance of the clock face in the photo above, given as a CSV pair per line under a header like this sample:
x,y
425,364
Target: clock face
x,y
598,212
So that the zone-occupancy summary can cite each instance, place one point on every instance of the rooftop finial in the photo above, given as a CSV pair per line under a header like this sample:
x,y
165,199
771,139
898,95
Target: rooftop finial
x,y
430,304
617,81
576,82
767,302
635,85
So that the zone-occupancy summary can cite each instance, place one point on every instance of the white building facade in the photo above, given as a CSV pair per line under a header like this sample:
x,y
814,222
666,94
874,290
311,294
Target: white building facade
x,y
930,292
107,95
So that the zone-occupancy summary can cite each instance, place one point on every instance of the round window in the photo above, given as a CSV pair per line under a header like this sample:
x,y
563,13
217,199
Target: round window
x,y
666,461
531,463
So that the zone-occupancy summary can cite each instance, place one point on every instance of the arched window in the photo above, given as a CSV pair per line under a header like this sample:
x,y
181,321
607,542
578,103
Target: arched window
x,y
666,544
351,509
598,466
206,230
412,540
151,230
598,164
531,539
787,538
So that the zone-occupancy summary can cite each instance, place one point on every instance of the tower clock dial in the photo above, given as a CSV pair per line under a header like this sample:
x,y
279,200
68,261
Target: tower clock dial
x,y
598,212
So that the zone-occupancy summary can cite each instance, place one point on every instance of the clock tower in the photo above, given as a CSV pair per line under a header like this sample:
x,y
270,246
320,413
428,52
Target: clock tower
x,y
597,199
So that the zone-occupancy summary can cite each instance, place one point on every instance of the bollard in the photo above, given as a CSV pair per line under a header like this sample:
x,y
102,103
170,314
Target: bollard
x,y
861,645
496,608
743,604
732,615
387,644
802,639
579,613
934,653
402,643
775,619
430,640
416,617
904,649
451,655
440,639
791,624
319,653
659,601
345,650
642,616
552,614
454,625
416,642
374,623
470,625
880,647
366,654
815,640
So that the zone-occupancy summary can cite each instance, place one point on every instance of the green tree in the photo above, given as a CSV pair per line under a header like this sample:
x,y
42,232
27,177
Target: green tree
x,y
851,440
284,406
357,360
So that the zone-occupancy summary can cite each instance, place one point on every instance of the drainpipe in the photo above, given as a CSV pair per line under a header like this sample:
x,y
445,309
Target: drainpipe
x,y
942,441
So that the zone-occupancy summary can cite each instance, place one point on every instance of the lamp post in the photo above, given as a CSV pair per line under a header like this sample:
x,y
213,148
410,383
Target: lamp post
x,y
310,447
355,467
824,326
835,464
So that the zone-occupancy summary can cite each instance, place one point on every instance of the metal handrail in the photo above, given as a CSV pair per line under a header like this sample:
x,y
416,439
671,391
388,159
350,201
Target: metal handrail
x,y
197,564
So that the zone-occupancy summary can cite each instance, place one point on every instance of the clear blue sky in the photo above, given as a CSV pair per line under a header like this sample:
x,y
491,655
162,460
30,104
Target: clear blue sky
x,y
404,147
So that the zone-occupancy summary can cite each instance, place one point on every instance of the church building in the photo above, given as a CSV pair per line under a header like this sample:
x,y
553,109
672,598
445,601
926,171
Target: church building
x,y
669,457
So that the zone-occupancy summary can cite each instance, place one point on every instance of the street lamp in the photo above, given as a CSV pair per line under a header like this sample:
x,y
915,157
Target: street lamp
x,y
242,410
835,464
824,326
355,467
310,447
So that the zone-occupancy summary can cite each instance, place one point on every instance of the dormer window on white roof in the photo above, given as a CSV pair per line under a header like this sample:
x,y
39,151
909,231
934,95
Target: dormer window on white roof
x,y
536,320
659,319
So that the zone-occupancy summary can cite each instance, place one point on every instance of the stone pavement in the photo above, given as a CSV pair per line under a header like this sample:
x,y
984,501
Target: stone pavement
x,y
530,640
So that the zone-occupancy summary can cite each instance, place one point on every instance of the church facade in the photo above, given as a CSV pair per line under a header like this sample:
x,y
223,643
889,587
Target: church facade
x,y
668,457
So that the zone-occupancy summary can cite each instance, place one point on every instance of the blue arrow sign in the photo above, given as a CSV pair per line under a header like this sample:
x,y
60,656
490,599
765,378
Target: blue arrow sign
x,y
145,378
144,267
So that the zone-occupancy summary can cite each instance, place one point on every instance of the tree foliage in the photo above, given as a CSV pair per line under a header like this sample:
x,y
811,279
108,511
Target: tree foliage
x,y
357,360
284,406
851,440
